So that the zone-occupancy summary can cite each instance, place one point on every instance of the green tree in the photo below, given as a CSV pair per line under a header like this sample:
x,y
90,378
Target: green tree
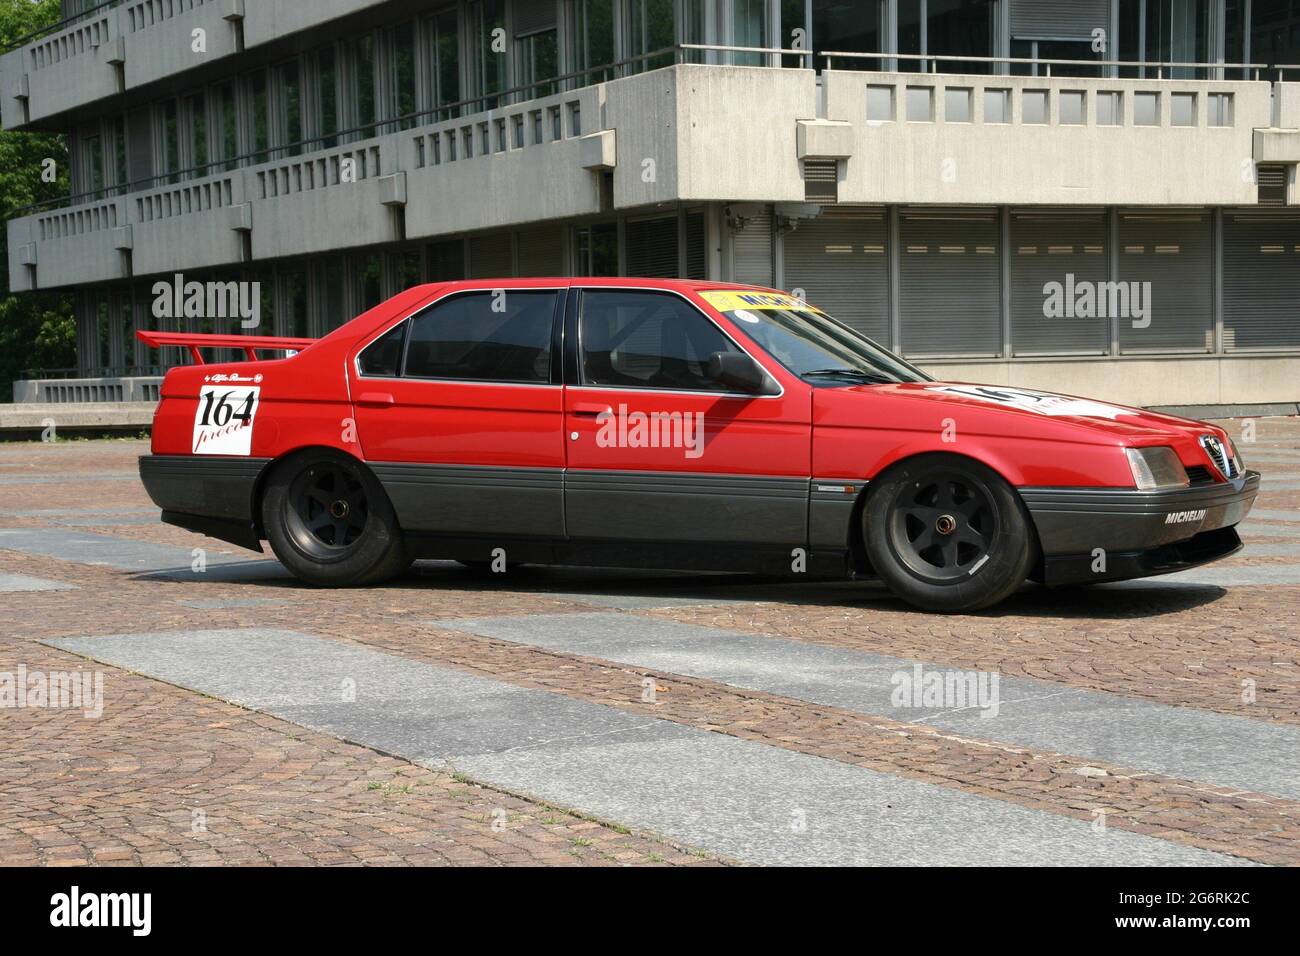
x,y
37,330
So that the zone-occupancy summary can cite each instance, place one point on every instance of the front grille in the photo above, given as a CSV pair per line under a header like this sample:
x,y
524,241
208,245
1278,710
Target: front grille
x,y
1217,452
1200,475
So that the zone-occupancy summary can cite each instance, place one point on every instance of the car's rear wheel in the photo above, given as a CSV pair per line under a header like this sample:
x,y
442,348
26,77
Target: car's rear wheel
x,y
946,533
330,523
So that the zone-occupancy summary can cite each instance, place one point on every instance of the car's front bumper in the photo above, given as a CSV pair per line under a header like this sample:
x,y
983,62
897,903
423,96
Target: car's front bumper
x,y
1109,534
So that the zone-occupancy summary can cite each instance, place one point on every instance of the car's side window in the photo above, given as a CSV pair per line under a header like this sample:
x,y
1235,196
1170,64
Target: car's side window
x,y
633,339
383,356
499,335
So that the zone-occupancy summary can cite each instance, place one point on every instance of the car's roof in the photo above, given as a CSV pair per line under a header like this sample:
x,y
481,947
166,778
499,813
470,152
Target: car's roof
x,y
694,285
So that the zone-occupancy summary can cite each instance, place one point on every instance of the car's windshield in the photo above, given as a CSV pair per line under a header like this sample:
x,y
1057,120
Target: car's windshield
x,y
810,343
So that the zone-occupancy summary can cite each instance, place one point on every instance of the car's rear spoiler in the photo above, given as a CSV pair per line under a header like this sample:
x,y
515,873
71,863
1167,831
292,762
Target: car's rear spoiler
x,y
248,344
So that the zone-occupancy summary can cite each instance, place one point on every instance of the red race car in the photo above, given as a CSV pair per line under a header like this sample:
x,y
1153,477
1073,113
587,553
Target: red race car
x,y
670,424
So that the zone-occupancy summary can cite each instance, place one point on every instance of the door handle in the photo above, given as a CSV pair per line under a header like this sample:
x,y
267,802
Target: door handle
x,y
591,408
375,399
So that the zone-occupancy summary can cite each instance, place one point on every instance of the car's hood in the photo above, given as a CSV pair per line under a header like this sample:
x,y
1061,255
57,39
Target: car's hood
x,y
1019,410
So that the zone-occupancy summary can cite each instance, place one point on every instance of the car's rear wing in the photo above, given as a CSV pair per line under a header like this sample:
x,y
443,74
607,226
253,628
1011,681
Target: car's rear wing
x,y
250,345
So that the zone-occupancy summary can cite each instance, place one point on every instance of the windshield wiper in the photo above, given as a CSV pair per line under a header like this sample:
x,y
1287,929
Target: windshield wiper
x,y
856,374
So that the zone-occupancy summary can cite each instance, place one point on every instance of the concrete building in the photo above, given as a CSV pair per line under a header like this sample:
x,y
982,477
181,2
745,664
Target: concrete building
x,y
1094,196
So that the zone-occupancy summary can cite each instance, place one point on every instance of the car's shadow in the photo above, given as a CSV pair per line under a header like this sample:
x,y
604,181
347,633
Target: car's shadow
x,y
1131,599
636,589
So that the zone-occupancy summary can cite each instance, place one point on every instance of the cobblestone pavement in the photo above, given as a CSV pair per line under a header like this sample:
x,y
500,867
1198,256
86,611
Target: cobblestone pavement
x,y
170,775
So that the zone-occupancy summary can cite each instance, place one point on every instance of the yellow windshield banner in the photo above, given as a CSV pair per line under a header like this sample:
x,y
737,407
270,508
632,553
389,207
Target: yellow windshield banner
x,y
732,300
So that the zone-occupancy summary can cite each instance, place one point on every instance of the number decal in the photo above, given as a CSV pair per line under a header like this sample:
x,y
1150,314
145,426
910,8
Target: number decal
x,y
223,422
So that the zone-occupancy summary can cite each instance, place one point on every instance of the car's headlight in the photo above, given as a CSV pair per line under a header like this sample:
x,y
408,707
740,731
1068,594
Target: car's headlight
x,y
1156,468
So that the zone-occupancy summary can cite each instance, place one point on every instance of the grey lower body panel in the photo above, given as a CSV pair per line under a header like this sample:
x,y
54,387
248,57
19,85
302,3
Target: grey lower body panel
x,y
473,500
682,506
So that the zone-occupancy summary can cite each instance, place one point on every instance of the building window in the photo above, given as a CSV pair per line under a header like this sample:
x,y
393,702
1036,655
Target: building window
x,y
748,28
575,119
593,40
956,29
857,27
557,125
1146,108
956,105
401,75
288,96
1073,106
1033,107
501,135
443,53
539,62
490,65
880,104
537,127
597,250
1182,109
1110,108
368,282
997,106
196,125
650,28
327,98
920,104
364,101
1219,106
169,145
517,122
93,160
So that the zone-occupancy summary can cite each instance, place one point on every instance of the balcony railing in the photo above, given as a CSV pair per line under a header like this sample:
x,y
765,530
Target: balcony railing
x,y
87,14
929,63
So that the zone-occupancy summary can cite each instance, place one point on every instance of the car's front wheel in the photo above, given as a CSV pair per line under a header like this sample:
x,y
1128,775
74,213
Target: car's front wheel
x,y
330,523
946,533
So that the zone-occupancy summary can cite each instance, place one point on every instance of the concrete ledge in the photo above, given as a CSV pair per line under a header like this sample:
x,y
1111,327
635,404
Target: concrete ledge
x,y
97,417
596,151
824,139
1277,145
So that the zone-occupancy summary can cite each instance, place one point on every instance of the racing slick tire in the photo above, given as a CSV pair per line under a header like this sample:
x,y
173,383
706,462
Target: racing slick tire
x,y
946,533
330,523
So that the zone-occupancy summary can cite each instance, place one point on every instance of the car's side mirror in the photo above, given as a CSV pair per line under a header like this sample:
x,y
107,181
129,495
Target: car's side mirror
x,y
737,371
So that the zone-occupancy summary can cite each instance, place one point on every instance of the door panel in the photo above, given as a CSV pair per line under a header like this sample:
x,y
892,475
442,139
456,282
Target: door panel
x,y
463,453
676,464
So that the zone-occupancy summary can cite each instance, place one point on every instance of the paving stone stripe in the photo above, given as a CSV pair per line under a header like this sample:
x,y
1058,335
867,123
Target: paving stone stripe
x,y
743,799
1174,741
76,512
13,583
1271,550
126,554
1274,514
1262,529
1216,577
107,521
62,478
